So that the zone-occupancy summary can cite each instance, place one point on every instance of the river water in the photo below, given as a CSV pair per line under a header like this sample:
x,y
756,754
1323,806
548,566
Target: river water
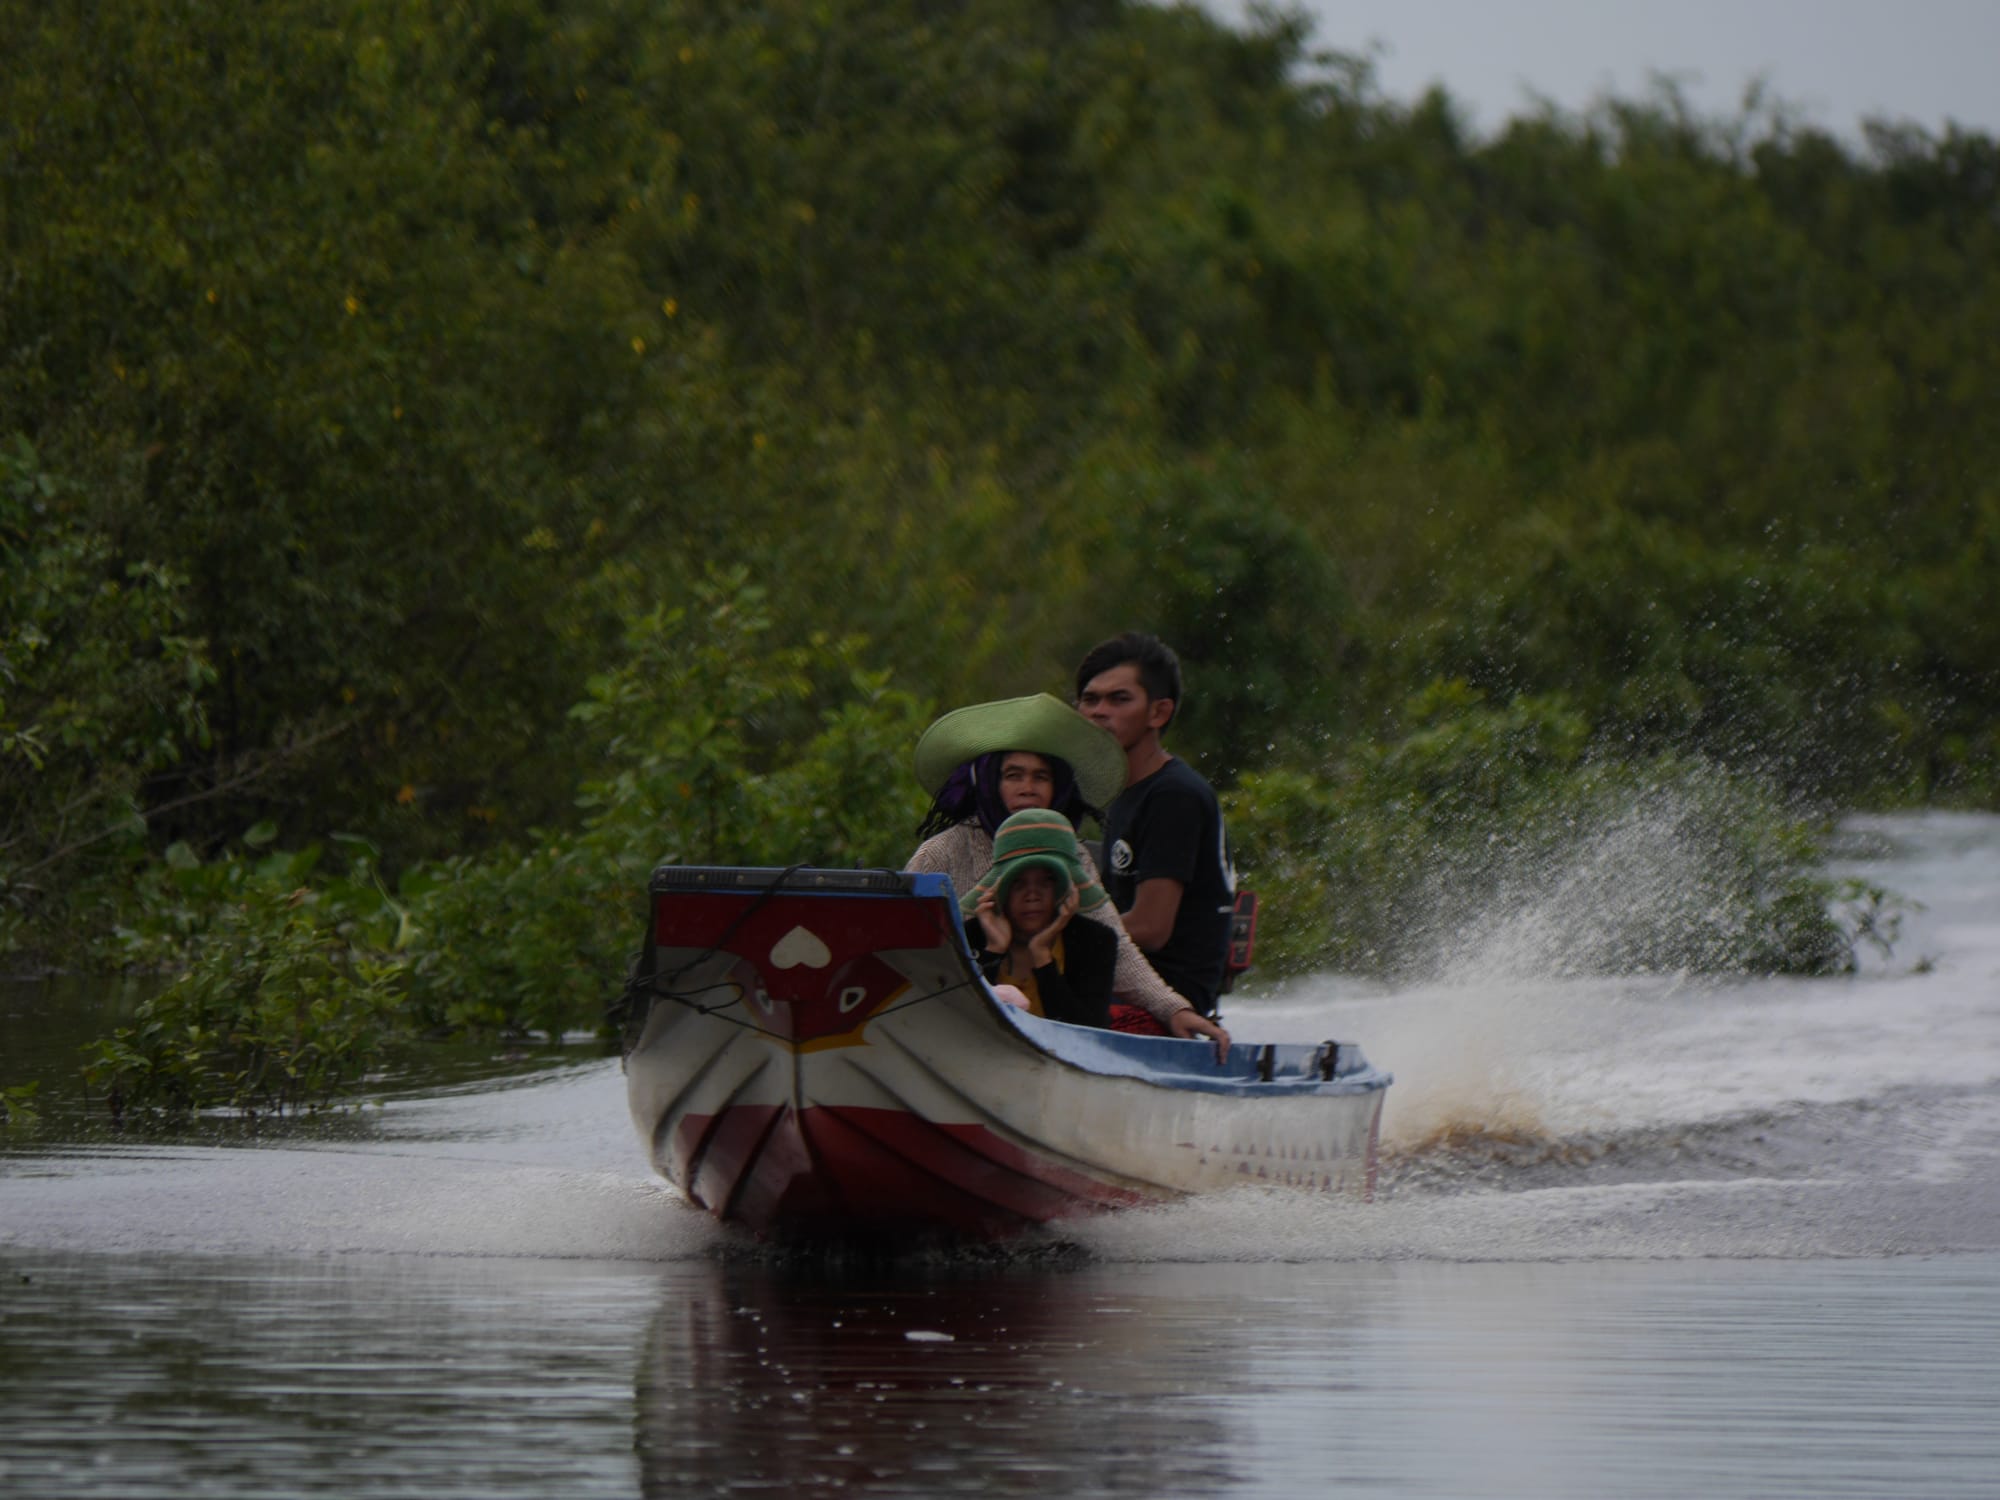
x,y
1642,1236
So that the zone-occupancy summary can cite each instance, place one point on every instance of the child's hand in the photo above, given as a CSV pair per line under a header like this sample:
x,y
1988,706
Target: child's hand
x,y
999,931
1042,946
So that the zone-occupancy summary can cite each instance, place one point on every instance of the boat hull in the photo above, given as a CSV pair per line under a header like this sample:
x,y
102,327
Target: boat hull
x,y
813,1053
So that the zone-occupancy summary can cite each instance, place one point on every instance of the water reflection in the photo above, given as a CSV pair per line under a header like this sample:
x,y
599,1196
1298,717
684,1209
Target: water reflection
x,y
995,1382
449,1376
229,1376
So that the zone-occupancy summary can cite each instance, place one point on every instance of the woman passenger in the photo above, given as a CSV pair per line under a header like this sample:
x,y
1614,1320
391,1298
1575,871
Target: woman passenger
x,y
990,760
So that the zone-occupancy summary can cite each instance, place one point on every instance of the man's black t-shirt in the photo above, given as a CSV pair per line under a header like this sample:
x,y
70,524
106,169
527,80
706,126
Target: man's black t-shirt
x,y
1169,827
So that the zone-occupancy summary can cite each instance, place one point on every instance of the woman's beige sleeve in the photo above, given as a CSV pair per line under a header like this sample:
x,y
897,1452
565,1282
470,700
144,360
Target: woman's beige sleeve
x,y
963,852
1134,980
930,857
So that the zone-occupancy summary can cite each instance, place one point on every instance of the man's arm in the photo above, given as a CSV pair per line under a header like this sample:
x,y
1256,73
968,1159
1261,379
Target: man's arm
x,y
1155,904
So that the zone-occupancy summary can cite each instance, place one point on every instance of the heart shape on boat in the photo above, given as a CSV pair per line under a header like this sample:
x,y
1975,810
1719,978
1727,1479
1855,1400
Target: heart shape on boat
x,y
800,947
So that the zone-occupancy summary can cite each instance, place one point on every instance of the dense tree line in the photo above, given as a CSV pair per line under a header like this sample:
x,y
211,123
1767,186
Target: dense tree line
x,y
375,373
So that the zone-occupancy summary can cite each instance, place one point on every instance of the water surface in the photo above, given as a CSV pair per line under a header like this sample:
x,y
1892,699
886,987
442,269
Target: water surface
x,y
1638,1236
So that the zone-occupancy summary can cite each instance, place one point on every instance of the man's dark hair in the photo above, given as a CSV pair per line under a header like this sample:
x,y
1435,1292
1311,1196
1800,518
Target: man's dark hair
x,y
1159,668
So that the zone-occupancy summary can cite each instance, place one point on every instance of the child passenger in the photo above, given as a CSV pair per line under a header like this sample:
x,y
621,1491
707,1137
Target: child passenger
x,y
1020,929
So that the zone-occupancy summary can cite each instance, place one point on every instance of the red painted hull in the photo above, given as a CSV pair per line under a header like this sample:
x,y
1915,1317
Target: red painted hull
x,y
831,1169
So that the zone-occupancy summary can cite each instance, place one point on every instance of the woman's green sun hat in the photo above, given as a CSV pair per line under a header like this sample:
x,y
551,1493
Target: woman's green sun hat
x,y
1041,723
1035,837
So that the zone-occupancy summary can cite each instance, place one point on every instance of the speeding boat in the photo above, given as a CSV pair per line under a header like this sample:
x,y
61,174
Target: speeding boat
x,y
813,1054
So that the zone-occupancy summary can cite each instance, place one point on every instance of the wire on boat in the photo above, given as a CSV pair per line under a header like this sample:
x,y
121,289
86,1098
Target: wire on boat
x,y
686,999
654,986
763,899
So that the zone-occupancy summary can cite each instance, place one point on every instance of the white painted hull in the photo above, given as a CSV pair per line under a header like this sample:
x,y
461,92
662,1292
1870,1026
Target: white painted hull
x,y
828,1062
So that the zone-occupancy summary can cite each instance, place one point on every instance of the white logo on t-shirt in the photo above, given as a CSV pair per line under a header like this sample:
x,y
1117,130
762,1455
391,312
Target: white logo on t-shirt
x,y
1121,857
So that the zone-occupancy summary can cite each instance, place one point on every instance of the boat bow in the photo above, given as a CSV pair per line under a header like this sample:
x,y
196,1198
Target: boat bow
x,y
813,1051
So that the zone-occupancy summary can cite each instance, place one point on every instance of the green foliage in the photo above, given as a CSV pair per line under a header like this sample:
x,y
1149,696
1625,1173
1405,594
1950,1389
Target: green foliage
x,y
301,977
279,1013
100,687
1663,643
379,379
523,943
1486,838
712,752
1342,860
17,1108
182,902
1251,603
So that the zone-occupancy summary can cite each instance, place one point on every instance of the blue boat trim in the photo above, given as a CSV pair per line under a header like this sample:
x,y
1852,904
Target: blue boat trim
x,y
803,880
1174,1062
1191,1064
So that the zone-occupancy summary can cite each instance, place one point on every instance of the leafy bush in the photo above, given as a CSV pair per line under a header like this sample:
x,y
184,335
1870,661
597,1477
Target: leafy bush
x,y
278,1013
395,373
100,686
365,413
711,754
1485,838
17,1107
302,976
180,902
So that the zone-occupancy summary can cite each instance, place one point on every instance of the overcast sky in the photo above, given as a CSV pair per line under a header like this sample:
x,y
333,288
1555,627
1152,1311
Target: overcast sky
x,y
1836,61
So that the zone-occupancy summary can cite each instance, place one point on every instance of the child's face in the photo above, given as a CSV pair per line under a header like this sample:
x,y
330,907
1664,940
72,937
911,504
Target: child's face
x,y
1032,900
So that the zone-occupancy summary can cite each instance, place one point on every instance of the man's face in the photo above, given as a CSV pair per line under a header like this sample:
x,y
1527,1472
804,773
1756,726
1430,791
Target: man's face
x,y
1116,700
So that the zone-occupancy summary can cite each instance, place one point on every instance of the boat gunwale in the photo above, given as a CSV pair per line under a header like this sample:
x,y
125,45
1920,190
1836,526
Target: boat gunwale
x,y
1252,1070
